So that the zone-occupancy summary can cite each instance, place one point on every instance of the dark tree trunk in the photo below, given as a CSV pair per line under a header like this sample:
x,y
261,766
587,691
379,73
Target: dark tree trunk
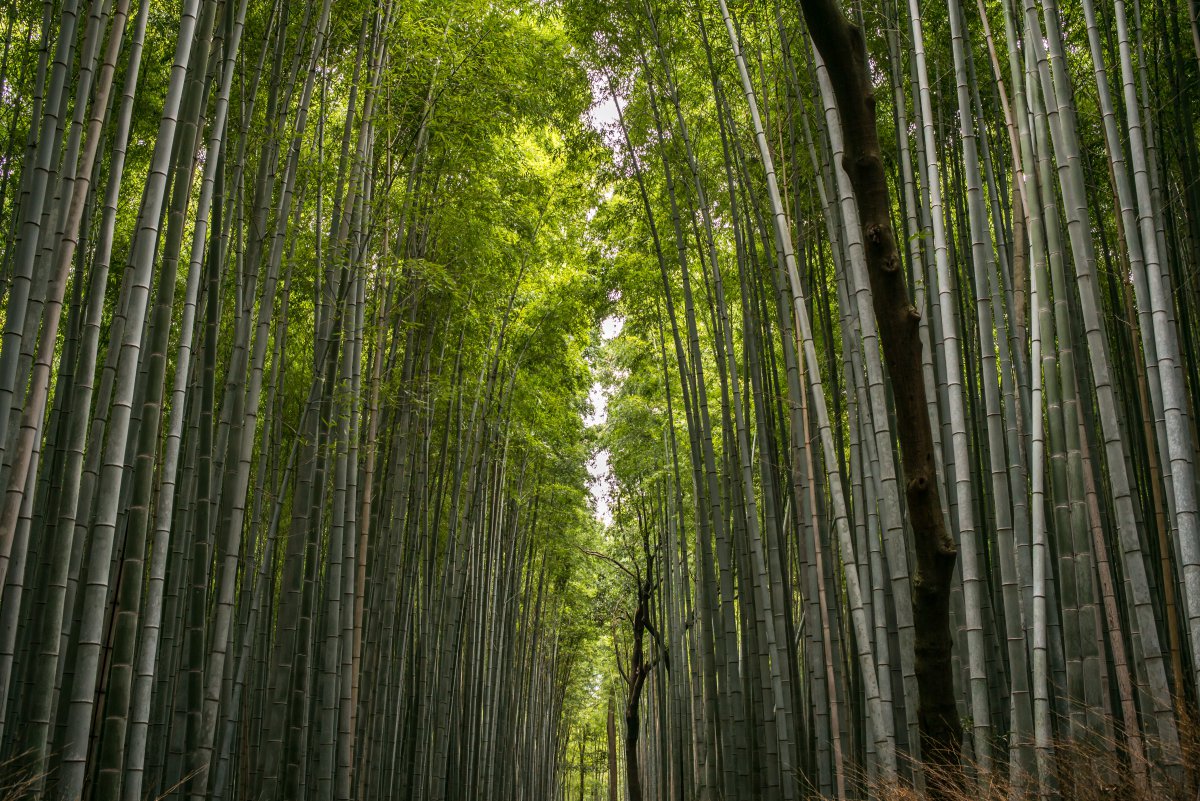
x,y
842,47
639,671
632,727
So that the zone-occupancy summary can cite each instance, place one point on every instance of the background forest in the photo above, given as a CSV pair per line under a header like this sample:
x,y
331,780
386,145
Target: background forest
x,y
565,399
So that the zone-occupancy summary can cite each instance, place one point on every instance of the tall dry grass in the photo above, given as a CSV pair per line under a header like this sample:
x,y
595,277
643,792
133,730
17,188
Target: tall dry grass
x,y
1098,769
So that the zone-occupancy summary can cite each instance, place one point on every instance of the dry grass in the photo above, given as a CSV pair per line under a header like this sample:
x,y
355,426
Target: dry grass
x,y
17,781
1096,770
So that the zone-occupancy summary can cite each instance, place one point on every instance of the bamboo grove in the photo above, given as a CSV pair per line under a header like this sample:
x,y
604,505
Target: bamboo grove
x,y
576,400
1010,184
293,381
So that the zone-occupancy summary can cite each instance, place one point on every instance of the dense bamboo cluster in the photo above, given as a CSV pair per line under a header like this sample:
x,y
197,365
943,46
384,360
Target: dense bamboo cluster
x,y
1040,159
309,311
290,453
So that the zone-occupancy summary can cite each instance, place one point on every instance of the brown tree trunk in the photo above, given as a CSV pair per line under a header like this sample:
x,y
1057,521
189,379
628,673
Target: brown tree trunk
x,y
632,728
842,46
